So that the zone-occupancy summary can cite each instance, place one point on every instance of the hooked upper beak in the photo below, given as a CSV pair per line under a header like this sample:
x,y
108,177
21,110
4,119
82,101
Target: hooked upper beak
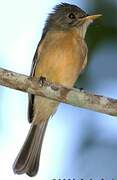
x,y
90,17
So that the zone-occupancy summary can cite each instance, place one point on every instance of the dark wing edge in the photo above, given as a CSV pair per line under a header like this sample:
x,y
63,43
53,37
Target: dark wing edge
x,y
30,96
34,62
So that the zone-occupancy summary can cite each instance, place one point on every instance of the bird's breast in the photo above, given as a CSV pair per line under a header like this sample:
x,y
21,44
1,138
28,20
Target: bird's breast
x,y
61,58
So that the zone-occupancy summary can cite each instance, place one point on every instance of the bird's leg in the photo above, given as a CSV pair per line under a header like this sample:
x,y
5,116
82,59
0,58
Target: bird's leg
x,y
42,81
81,89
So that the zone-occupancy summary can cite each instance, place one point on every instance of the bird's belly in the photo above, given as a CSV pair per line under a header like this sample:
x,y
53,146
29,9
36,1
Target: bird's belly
x,y
62,70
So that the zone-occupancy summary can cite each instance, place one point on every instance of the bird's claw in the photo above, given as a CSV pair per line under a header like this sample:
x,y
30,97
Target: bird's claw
x,y
42,81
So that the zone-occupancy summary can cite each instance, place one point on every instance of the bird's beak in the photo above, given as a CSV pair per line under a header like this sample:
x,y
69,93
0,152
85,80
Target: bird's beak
x,y
90,17
93,17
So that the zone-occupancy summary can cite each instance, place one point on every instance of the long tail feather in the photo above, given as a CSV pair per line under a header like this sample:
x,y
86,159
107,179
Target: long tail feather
x,y
28,158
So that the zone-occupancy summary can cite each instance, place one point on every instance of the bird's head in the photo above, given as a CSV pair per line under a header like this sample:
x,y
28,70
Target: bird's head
x,y
66,16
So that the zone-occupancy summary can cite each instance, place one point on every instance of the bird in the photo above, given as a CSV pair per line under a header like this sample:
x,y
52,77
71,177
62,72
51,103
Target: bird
x,y
60,57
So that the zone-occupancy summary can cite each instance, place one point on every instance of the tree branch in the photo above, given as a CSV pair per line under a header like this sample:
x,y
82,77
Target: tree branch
x,y
59,93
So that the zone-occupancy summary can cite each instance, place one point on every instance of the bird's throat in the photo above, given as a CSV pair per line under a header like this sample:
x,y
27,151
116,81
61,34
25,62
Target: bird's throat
x,y
82,29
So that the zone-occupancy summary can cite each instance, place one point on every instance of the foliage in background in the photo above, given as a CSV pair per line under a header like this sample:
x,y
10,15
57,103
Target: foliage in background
x,y
101,31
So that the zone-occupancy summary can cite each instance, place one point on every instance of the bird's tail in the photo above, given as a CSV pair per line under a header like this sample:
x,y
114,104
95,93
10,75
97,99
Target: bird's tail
x,y
28,158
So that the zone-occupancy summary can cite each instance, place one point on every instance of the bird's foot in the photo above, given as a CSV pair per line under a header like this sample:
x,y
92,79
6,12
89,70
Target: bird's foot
x,y
42,81
81,89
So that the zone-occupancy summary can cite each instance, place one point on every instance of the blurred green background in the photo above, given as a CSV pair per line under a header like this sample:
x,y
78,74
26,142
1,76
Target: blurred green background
x,y
78,143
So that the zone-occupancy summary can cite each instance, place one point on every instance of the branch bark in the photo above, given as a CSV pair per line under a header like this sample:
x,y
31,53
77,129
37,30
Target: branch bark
x,y
59,93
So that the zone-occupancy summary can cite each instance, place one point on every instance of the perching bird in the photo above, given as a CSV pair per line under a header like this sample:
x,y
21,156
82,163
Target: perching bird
x,y
60,57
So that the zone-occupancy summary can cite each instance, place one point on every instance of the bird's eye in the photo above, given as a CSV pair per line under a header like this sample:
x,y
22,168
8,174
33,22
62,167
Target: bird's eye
x,y
71,16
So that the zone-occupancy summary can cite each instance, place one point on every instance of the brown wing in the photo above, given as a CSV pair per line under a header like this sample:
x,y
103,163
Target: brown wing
x,y
30,96
34,63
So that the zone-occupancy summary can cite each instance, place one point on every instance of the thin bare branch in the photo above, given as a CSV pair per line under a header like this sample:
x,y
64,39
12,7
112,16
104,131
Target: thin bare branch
x,y
59,93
